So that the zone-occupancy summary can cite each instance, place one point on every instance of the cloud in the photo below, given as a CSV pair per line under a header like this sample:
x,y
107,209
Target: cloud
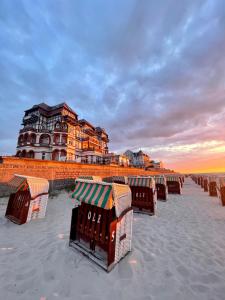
x,y
150,72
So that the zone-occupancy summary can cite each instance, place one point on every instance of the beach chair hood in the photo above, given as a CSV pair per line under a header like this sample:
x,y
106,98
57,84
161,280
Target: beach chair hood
x,y
35,185
142,181
102,194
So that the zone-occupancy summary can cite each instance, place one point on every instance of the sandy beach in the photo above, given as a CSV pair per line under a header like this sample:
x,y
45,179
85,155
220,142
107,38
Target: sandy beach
x,y
178,254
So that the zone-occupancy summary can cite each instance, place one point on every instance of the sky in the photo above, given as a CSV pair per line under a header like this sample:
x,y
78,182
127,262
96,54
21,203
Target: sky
x,y
152,73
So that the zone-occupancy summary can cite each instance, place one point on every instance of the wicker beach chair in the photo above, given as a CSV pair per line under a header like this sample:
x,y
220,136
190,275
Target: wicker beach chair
x,y
28,199
101,224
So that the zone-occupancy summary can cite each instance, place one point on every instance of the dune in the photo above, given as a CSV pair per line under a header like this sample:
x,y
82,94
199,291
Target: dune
x,y
177,254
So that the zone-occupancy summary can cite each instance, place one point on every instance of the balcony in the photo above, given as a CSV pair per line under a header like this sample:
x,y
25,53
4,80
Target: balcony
x,y
28,129
92,149
44,145
64,130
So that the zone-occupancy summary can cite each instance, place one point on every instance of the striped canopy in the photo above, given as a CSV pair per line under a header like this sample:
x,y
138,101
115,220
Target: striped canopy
x,y
172,178
95,178
141,181
102,194
160,179
35,185
122,179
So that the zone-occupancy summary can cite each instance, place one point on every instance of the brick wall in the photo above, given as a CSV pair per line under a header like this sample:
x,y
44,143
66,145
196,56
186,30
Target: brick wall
x,y
59,174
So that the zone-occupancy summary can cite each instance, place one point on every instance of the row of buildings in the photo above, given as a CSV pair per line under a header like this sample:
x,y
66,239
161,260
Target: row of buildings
x,y
56,133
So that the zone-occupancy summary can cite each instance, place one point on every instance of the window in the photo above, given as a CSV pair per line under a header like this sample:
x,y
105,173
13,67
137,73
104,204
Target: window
x,y
43,155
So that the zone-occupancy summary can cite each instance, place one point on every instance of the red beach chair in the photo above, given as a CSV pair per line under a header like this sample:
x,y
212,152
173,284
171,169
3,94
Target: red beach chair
x,y
212,186
28,199
220,185
173,184
101,225
143,194
161,187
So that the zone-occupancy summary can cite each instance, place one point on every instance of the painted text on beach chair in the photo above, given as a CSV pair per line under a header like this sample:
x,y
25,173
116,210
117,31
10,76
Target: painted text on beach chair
x,y
28,199
101,225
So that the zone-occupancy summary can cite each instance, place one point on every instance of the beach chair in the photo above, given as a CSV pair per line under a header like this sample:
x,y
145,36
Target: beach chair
x,y
202,182
205,184
161,187
144,199
101,224
212,186
28,199
173,184
220,185
116,179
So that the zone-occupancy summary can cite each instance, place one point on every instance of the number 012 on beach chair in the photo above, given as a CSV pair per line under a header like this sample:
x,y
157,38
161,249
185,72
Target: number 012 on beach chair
x,y
28,199
143,194
101,225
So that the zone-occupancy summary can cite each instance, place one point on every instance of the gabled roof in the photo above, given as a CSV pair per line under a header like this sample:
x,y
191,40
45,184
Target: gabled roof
x,y
51,109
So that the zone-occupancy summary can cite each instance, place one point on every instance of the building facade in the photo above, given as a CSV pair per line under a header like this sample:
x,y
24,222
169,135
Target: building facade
x,y
138,159
56,133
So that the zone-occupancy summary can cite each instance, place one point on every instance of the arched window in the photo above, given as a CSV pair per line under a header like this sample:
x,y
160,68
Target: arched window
x,y
55,154
56,138
33,138
30,154
44,140
23,154
26,138
64,139
20,139
18,154
63,155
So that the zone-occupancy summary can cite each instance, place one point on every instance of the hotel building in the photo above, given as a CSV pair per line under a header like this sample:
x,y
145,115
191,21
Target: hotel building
x,y
56,133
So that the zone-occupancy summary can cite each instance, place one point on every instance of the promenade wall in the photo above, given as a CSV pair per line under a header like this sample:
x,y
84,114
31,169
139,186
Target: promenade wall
x,y
60,174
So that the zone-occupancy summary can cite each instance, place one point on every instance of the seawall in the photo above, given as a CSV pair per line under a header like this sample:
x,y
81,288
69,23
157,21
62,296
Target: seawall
x,y
60,174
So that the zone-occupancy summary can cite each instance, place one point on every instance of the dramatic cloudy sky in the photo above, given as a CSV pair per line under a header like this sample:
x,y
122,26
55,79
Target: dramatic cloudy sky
x,y
152,73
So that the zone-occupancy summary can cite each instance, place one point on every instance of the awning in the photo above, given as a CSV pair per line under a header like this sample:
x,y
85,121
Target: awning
x,y
141,181
102,194
35,185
